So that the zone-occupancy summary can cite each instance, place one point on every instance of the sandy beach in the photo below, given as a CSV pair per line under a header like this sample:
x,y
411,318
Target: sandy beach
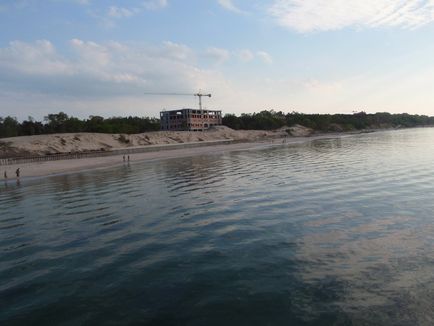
x,y
49,168
156,145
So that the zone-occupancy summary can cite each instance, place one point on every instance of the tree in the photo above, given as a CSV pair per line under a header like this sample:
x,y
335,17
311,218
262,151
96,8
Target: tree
x,y
56,122
9,127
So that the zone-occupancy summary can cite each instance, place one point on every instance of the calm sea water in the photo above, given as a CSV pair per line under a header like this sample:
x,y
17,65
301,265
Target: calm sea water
x,y
336,231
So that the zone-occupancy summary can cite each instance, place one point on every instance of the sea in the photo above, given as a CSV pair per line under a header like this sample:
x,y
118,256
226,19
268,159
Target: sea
x,y
336,231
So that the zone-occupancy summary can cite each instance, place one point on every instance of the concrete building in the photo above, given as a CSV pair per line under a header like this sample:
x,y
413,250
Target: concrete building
x,y
189,119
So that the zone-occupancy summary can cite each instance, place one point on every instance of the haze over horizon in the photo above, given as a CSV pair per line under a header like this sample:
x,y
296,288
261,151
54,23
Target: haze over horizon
x,y
90,57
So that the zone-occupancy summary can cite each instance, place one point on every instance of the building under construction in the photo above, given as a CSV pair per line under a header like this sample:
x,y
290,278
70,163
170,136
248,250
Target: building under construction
x,y
189,119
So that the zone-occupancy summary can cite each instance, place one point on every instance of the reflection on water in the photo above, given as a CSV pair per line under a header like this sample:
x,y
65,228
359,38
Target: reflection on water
x,y
335,231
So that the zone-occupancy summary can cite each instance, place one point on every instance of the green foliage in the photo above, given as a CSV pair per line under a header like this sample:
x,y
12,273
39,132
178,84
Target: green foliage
x,y
264,120
9,127
62,123
268,120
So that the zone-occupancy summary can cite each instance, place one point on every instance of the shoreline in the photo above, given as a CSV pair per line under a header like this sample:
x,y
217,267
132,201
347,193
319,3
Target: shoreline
x,y
70,166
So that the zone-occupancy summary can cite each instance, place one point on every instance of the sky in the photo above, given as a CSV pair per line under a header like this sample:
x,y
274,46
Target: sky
x,y
89,57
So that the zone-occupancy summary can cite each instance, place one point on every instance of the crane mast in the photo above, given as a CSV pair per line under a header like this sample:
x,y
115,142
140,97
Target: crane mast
x,y
199,95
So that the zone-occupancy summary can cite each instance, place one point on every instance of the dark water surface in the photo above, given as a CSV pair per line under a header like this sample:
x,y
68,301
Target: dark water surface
x,y
336,231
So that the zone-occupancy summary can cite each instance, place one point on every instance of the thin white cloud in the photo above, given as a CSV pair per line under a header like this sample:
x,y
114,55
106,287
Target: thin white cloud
x,y
119,12
124,12
218,54
326,15
320,87
178,51
11,5
265,57
246,55
83,2
155,4
24,4
38,58
229,5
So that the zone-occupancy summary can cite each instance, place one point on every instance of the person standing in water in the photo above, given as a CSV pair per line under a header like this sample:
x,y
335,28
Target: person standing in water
x,y
17,172
5,175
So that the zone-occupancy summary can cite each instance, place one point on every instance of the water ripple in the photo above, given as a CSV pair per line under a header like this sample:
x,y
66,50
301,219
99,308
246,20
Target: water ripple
x,y
334,231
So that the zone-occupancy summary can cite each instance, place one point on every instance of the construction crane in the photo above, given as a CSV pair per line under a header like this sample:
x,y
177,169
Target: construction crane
x,y
199,95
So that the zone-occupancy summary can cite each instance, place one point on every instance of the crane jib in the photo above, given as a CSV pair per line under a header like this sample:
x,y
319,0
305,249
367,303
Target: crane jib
x,y
199,95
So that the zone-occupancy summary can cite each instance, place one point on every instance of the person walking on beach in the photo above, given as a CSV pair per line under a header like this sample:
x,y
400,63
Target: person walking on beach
x,y
124,158
6,175
17,172
128,158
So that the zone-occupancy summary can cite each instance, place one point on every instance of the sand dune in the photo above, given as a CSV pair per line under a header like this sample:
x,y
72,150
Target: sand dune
x,y
86,142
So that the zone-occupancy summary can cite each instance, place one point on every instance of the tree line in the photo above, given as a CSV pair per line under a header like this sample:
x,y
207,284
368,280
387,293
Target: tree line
x,y
263,120
62,123
269,120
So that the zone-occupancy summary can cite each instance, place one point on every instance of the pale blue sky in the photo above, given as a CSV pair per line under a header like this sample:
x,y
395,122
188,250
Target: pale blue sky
x,y
327,56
